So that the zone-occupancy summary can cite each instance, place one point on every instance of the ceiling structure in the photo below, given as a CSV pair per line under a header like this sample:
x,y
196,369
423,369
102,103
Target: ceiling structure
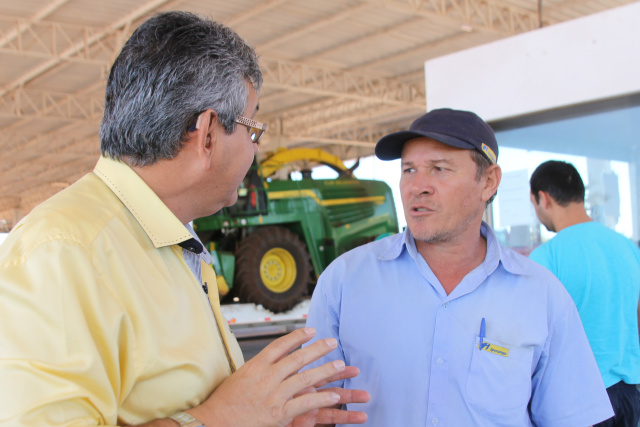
x,y
337,73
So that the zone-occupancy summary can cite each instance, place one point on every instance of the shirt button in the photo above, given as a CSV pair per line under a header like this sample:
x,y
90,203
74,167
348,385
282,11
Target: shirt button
x,y
439,361
446,305
434,421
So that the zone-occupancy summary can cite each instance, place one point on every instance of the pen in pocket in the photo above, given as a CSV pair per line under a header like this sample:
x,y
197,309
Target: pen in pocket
x,y
483,331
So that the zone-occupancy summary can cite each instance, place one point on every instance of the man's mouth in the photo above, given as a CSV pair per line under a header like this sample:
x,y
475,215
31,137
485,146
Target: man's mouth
x,y
422,209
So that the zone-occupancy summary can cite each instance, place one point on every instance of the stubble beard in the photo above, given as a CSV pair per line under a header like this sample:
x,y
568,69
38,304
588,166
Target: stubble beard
x,y
443,235
549,227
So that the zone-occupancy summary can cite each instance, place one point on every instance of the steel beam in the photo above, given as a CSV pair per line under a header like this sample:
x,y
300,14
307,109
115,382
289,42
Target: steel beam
x,y
314,26
322,81
485,15
77,47
23,103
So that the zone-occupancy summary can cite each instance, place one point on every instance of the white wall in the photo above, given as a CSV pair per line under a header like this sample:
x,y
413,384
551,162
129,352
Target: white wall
x,y
587,59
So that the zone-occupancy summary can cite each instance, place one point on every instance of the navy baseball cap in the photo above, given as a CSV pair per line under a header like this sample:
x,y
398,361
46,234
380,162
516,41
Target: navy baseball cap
x,y
462,129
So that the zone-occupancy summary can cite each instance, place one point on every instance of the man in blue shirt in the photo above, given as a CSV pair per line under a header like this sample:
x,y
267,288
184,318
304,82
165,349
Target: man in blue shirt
x,y
448,328
601,270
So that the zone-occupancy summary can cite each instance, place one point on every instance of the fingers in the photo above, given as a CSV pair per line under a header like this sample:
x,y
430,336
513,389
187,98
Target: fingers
x,y
305,380
310,402
334,415
297,360
340,416
307,399
350,396
281,347
296,383
305,420
349,372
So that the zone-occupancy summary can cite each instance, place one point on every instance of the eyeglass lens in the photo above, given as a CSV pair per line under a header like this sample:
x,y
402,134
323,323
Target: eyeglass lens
x,y
255,134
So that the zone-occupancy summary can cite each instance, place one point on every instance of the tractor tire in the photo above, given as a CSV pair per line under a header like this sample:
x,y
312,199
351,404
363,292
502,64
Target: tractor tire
x,y
273,268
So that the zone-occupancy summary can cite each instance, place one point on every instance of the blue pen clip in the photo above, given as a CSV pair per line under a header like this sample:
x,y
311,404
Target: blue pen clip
x,y
483,331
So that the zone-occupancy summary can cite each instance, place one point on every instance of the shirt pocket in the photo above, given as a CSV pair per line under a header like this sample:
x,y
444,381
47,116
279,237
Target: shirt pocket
x,y
499,380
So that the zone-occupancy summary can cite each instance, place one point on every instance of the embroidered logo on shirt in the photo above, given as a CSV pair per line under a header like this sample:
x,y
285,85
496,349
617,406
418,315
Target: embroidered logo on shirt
x,y
495,349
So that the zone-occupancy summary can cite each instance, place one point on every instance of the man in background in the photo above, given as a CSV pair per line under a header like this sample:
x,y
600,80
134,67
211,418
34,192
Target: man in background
x,y
601,270
449,328
108,305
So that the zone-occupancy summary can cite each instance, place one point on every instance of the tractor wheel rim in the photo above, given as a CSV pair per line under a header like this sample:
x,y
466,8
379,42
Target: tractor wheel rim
x,y
278,270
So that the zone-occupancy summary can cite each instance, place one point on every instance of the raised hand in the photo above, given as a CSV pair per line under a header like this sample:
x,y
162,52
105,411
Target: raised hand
x,y
270,391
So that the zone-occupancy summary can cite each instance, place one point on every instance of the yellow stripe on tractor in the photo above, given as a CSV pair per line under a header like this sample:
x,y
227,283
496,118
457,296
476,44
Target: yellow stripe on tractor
x,y
290,194
283,157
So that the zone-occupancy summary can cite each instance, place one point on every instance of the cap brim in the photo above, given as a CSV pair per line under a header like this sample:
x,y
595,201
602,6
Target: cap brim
x,y
390,147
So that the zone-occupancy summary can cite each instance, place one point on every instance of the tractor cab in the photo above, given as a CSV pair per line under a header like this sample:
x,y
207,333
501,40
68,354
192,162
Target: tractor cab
x,y
252,198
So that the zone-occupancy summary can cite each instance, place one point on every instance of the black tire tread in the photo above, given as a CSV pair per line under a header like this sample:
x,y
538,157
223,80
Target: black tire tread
x,y
248,256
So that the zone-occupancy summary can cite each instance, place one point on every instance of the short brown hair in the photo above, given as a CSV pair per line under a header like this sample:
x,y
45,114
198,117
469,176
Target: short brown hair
x,y
482,163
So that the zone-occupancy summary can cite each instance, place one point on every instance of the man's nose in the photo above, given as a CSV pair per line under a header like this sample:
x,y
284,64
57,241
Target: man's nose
x,y
422,184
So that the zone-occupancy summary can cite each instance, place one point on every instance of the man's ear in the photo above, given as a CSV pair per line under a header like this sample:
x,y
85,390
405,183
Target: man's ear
x,y
205,136
493,176
533,198
545,199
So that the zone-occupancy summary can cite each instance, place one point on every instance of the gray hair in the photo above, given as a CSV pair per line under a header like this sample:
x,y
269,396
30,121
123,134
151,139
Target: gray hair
x,y
175,66
482,163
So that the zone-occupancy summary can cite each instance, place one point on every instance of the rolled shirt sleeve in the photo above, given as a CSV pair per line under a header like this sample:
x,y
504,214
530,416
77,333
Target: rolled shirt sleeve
x,y
66,343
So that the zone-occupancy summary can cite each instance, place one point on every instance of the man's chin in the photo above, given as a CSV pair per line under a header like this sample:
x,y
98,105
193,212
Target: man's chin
x,y
420,234
219,206
232,200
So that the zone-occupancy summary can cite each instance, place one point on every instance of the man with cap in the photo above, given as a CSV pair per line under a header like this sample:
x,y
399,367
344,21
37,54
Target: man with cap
x,y
448,327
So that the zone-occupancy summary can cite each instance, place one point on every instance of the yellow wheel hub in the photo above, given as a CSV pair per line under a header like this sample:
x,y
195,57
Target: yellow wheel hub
x,y
278,270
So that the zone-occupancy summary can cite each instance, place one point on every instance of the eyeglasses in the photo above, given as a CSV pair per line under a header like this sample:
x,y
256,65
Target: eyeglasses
x,y
256,129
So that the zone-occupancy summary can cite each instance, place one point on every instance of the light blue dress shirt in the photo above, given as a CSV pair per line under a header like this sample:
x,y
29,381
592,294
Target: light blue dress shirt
x,y
193,259
419,352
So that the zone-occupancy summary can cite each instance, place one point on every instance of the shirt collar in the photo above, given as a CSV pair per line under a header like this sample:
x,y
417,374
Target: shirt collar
x,y
496,253
393,251
196,246
155,218
511,261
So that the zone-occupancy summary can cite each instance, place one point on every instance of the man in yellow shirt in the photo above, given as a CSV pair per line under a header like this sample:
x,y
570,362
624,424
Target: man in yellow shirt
x,y
109,309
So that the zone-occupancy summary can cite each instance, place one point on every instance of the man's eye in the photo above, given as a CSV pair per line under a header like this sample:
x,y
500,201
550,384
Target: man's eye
x,y
408,170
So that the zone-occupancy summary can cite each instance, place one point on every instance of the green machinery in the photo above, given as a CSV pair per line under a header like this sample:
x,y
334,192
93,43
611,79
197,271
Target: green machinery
x,y
270,247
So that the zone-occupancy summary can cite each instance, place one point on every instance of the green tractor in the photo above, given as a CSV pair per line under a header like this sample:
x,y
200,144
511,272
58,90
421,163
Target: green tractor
x,y
270,247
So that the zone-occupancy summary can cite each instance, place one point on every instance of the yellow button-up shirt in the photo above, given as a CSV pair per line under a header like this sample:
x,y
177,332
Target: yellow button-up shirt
x,y
101,320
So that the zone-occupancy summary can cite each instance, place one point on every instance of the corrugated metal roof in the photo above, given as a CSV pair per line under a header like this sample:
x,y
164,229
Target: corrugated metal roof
x,y
55,55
